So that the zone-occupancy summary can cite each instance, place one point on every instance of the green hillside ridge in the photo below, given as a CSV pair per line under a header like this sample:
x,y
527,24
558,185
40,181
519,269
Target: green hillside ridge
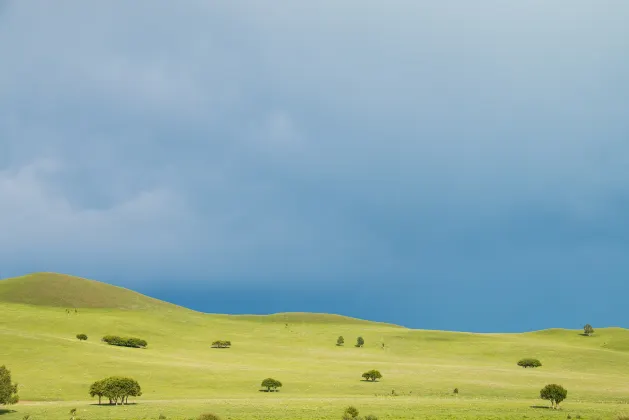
x,y
182,376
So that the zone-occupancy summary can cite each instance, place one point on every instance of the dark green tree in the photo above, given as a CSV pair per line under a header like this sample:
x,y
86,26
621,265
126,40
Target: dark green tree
x,y
221,344
360,342
372,375
456,391
553,393
588,330
81,337
340,341
271,384
115,340
8,390
529,363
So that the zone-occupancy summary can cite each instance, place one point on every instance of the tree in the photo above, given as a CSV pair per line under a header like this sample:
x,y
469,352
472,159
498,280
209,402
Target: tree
x,y
456,391
553,393
115,340
372,375
360,342
588,330
8,390
340,341
529,363
271,384
221,344
81,337
117,389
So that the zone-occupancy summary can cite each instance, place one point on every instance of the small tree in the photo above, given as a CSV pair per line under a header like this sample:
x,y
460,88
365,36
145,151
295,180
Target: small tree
x,y
553,393
271,385
372,375
456,391
360,342
588,330
221,344
81,337
340,341
529,363
8,390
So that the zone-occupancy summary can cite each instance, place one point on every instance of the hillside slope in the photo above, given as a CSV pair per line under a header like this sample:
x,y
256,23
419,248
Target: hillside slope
x,y
60,290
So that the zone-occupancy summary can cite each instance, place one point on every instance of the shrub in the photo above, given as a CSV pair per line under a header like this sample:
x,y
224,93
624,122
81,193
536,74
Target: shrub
x,y
208,416
271,384
372,375
221,344
456,391
81,337
371,417
8,391
340,341
162,417
588,330
115,340
351,412
117,389
553,393
529,363
360,342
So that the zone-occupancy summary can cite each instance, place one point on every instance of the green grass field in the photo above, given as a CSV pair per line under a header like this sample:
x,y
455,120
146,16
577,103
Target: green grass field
x,y
182,376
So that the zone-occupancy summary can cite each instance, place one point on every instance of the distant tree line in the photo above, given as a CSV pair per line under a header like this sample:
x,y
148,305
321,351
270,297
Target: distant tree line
x,y
115,340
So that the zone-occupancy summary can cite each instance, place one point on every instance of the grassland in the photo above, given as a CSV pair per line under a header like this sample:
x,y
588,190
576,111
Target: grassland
x,y
182,376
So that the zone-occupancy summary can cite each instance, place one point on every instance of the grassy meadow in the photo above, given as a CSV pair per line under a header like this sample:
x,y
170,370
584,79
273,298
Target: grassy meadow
x,y
182,376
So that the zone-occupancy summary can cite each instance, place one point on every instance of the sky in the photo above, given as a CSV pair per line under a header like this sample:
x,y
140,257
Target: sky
x,y
437,164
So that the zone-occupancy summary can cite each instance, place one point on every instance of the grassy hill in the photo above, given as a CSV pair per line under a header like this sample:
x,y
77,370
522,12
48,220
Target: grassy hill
x,y
181,375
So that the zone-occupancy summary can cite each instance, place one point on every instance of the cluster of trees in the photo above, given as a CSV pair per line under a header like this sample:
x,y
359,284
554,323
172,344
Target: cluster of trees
x,y
359,341
271,385
351,413
81,337
372,375
529,363
117,389
115,340
221,344
8,390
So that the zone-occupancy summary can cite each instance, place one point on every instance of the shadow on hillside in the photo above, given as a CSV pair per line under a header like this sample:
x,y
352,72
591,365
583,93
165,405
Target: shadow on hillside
x,y
586,335
543,407
5,411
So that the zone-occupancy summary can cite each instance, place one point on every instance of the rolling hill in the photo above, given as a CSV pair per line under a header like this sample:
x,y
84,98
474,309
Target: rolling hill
x,y
181,375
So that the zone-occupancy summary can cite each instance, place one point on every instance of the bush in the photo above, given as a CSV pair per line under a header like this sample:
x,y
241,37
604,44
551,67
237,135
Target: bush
x,y
529,363
114,340
340,341
117,389
8,391
371,417
456,391
588,330
372,375
351,412
360,342
553,393
271,385
208,416
81,337
221,344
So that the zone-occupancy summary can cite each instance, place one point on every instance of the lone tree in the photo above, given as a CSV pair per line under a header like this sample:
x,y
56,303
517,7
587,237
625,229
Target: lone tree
x,y
553,393
360,342
271,385
8,391
372,375
529,363
81,337
340,341
351,412
456,391
588,330
117,389
221,344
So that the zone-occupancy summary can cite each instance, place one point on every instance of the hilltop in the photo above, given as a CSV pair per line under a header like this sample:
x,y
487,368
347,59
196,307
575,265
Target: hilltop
x,y
61,290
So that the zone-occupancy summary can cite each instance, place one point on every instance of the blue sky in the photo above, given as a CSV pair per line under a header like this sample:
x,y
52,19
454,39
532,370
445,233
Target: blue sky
x,y
440,164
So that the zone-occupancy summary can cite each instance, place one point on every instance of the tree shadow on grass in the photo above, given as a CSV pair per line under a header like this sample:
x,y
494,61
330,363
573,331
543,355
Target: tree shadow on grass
x,y
544,407
112,405
586,335
6,411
